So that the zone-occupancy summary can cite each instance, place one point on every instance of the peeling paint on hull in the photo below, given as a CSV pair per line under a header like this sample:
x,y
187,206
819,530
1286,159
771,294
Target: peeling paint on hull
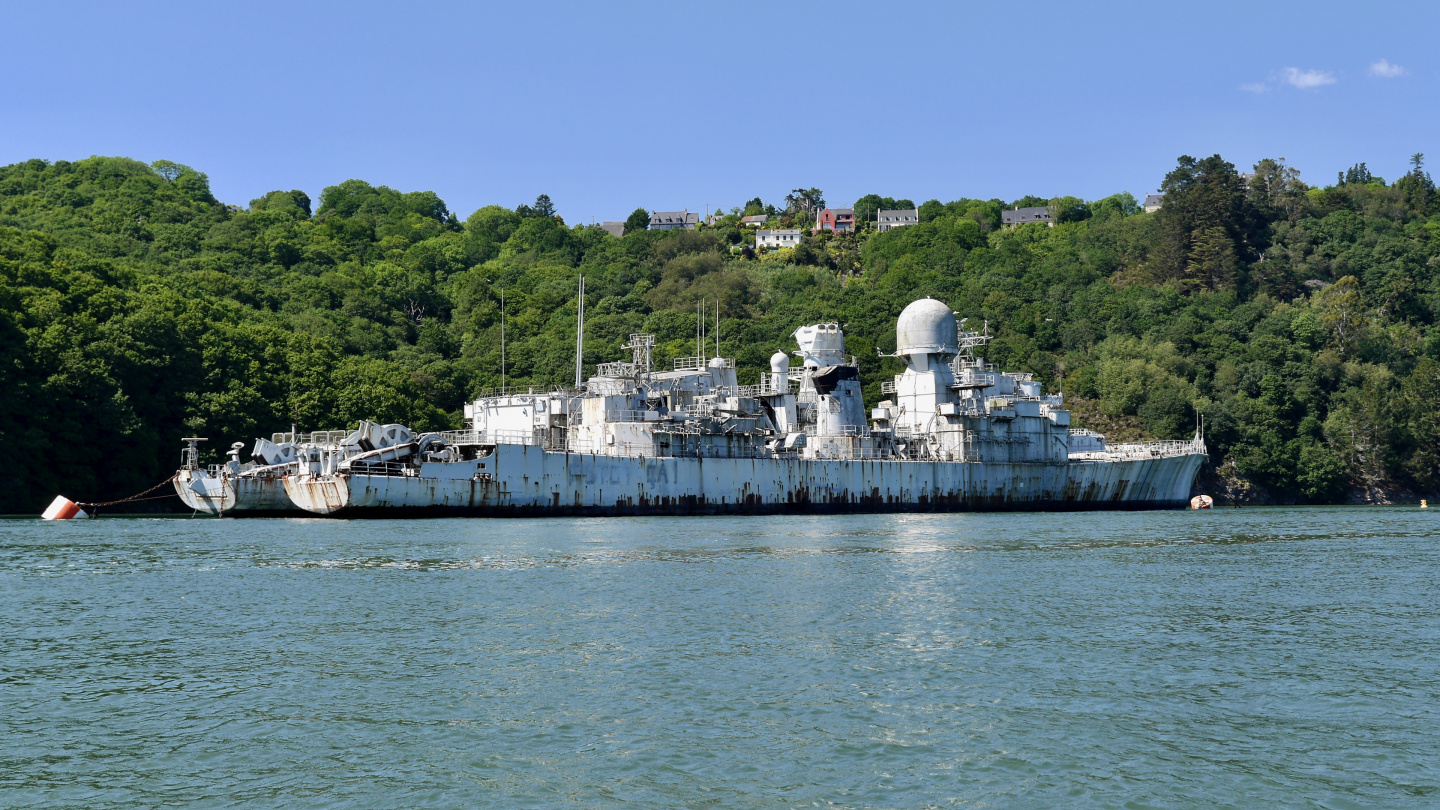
x,y
238,497
529,481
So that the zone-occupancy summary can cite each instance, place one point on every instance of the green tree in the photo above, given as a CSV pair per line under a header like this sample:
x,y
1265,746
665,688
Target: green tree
x,y
639,220
805,201
1200,196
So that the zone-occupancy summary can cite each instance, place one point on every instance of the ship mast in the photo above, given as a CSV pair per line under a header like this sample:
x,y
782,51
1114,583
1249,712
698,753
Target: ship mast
x,y
580,334
502,341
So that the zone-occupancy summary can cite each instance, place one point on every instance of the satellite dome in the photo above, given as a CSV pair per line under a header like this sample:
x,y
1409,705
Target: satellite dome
x,y
926,326
779,362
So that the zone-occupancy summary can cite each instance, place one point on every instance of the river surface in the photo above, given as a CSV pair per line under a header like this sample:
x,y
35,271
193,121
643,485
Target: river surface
x,y
1233,658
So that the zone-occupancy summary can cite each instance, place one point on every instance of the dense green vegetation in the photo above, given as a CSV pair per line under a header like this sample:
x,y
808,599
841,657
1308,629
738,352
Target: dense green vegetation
x,y
136,309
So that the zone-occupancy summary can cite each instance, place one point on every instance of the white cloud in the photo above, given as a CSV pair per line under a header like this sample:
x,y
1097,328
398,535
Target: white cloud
x,y
1307,79
1384,70
1256,87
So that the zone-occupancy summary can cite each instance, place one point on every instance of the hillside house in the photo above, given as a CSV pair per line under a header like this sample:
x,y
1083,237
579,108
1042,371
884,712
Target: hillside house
x,y
778,238
615,229
899,218
674,221
1025,216
840,220
755,221
1153,202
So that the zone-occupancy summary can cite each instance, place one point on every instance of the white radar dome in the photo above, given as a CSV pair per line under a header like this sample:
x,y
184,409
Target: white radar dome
x,y
926,326
779,362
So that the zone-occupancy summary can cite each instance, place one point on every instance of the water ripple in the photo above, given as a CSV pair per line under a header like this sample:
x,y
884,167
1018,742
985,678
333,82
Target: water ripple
x,y
1257,657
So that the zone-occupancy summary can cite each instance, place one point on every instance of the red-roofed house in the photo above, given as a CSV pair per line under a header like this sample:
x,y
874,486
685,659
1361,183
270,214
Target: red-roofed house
x,y
839,220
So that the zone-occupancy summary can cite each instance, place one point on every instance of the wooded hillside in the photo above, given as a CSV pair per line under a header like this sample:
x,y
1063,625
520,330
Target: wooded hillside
x,y
135,308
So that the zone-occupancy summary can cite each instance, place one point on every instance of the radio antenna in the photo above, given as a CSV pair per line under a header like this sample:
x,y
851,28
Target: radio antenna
x,y
580,333
502,341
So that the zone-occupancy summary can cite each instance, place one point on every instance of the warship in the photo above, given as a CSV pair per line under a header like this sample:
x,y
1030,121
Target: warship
x,y
954,434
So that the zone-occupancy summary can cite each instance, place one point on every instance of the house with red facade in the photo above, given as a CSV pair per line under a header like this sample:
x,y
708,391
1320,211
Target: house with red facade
x,y
839,220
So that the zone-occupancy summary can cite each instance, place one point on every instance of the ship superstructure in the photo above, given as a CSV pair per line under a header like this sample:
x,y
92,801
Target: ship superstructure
x,y
957,434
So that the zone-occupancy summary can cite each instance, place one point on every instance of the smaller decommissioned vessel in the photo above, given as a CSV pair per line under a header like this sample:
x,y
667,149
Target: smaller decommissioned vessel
x,y
253,488
256,488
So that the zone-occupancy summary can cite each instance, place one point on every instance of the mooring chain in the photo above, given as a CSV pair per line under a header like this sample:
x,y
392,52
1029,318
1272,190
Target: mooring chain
x,y
135,497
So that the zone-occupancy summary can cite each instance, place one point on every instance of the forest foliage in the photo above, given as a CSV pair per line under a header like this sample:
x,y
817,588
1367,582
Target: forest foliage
x,y
135,308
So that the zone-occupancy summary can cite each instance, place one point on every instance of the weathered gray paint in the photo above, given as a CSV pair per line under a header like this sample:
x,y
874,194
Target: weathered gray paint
x,y
250,496
528,480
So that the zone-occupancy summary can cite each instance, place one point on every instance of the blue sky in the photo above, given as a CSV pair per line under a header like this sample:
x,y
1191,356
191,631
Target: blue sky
x,y
606,107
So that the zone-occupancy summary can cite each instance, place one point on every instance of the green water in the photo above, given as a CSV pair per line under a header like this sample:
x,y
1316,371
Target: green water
x,y
1243,658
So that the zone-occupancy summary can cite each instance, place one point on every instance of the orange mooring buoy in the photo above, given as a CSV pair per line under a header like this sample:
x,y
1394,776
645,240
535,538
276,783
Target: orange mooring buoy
x,y
62,508
1202,502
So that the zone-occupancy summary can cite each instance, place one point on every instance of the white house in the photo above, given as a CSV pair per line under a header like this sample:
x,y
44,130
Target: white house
x,y
754,221
777,239
1153,202
885,220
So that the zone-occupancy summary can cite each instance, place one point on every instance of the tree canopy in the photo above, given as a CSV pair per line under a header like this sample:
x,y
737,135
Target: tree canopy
x,y
135,308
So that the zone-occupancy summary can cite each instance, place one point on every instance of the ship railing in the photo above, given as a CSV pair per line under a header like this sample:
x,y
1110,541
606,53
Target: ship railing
x,y
322,437
763,389
678,428
970,378
845,432
602,447
689,363
962,363
701,363
632,416
619,369
530,437
392,469
767,385
1143,450
508,391
888,387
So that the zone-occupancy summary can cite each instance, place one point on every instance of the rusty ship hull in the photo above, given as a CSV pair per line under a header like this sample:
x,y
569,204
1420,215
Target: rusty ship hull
x,y
237,496
524,480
